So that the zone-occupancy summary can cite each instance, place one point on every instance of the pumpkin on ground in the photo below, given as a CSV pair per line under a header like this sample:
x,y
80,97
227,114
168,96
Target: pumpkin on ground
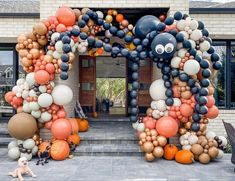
x,y
83,125
74,138
74,124
184,157
169,151
42,147
59,150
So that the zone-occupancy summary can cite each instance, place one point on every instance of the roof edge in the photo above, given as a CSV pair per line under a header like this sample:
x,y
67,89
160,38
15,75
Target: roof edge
x,y
211,10
19,15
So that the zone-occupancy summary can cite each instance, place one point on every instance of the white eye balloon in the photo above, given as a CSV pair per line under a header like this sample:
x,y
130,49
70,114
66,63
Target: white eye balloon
x,y
159,49
169,47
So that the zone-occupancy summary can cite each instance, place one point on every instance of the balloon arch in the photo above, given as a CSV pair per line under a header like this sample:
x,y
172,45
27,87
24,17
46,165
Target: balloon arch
x,y
182,100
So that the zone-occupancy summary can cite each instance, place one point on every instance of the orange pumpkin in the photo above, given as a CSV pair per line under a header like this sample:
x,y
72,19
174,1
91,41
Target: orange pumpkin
x,y
95,114
43,145
74,124
74,138
60,150
83,125
184,157
169,151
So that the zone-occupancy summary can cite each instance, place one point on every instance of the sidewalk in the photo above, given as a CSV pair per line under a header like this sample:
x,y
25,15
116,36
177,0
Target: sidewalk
x,y
121,169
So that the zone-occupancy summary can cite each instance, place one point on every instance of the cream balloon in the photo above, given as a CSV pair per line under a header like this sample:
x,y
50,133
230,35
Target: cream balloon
x,y
161,105
29,144
196,35
191,67
62,94
175,62
14,153
157,90
30,79
46,116
45,100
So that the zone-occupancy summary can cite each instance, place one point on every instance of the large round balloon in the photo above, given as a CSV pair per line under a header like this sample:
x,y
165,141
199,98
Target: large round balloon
x,y
167,126
66,16
45,100
164,45
22,126
145,25
61,128
213,112
191,67
157,90
59,150
42,77
62,95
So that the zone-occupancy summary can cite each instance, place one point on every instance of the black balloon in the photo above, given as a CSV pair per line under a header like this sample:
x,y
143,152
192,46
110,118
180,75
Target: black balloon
x,y
195,127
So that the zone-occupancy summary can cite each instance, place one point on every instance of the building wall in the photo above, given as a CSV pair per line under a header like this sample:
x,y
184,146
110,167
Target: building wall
x,y
221,26
10,28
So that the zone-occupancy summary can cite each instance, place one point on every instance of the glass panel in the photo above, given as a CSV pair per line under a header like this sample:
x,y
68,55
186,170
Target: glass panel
x,y
232,74
87,62
6,79
22,73
219,81
145,63
87,86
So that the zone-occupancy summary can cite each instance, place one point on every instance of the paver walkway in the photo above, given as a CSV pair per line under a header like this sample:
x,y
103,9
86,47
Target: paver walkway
x,y
107,168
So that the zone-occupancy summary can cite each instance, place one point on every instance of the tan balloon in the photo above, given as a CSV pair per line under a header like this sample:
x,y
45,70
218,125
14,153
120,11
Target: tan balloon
x,y
142,135
149,157
35,53
85,29
21,38
149,112
182,131
162,141
211,90
22,126
186,94
213,152
23,52
77,12
158,152
42,41
148,147
40,28
26,62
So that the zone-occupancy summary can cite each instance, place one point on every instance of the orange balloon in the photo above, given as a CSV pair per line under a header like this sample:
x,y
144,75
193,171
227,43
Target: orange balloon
x,y
167,126
119,18
61,28
17,101
213,112
74,138
42,77
50,68
150,124
211,101
66,16
59,150
176,93
186,110
9,96
74,124
48,125
61,113
61,128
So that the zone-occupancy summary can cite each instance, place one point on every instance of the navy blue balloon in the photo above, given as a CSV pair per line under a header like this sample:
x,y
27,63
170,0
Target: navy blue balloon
x,y
128,38
91,40
211,50
64,66
115,50
66,39
160,65
167,84
202,100
169,93
106,40
169,21
133,118
134,110
195,127
164,45
161,27
191,82
139,48
173,32
85,18
121,33
66,48
174,72
145,42
145,25
215,57
196,117
100,21
75,32
206,73
197,107
204,63
205,32
134,67
133,102
64,58
81,23
217,65
166,70
133,93
187,44
205,82
203,92
184,77
113,30
185,16
95,16
135,75
136,41
169,101
107,48
166,77
83,36
198,58
143,55
192,51
98,44
62,35
150,54
124,52
90,13
64,75
203,110
135,85
134,54
194,89
152,34
106,26
200,25
178,15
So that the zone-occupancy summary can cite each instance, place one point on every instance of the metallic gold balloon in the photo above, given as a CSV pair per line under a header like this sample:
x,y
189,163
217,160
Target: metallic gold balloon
x,y
149,157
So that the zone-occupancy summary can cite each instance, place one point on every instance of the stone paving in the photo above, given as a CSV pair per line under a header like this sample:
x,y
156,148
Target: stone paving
x,y
105,168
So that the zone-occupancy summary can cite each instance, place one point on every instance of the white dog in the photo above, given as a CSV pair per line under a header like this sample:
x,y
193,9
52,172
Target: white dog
x,y
22,169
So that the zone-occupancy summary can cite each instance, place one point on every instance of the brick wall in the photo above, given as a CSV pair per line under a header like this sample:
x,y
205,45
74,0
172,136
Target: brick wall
x,y
221,26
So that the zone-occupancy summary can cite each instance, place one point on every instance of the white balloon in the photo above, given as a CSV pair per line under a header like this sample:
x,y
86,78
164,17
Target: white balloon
x,y
220,155
34,106
187,147
182,52
210,135
26,155
191,67
224,140
15,89
192,139
36,114
50,52
157,90
193,24
29,144
30,79
153,105
134,125
156,114
20,82
108,34
187,21
56,55
175,62
54,36
34,150
42,88
204,46
59,46
179,46
46,116
19,142
18,94
186,35
161,106
25,94
177,102
192,43
14,153
26,107
32,93
180,25
62,94
196,35
100,14
140,127
12,144
45,99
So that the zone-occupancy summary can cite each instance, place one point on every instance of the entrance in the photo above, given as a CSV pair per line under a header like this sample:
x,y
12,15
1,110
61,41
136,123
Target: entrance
x,y
105,85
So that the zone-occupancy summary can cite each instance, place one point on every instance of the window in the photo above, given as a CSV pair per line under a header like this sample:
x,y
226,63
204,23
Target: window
x,y
224,82
8,75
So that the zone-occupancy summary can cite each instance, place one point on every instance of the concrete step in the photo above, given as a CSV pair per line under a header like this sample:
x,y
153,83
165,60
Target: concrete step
x,y
108,150
4,141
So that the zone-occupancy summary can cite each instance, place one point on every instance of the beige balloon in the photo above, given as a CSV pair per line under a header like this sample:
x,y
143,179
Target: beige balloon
x,y
158,152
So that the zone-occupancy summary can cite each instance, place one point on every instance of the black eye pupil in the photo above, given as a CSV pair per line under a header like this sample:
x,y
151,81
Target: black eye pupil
x,y
168,49
159,50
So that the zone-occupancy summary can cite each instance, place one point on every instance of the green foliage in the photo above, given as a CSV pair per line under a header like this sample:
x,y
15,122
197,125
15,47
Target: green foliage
x,y
112,88
228,148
